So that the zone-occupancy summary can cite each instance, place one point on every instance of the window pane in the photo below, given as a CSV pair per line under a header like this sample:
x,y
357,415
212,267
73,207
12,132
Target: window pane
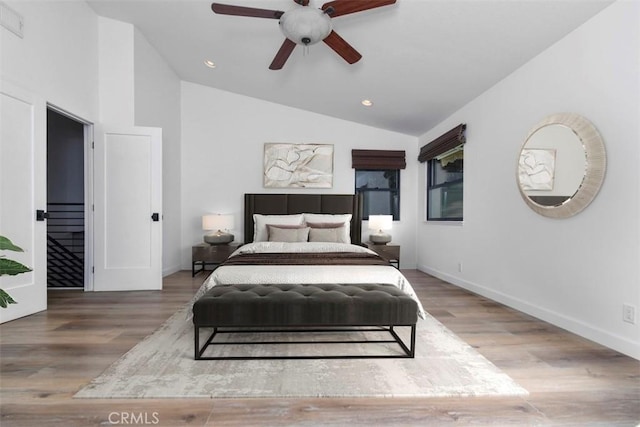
x,y
381,203
380,191
372,179
445,202
452,171
445,185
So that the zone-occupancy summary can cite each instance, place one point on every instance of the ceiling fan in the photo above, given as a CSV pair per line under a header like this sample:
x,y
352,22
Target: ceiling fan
x,y
306,25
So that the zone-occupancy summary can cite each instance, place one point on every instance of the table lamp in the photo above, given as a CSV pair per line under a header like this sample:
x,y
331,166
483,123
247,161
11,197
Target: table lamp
x,y
216,223
378,223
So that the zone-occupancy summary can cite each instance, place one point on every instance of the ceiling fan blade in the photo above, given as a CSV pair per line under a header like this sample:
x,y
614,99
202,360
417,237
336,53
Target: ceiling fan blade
x,y
342,48
282,55
227,9
344,7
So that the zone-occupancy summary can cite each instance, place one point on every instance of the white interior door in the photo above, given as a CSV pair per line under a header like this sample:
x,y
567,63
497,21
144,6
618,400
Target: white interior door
x,y
22,192
127,209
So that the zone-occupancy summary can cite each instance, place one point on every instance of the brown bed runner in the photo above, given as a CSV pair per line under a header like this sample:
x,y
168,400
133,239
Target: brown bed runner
x,y
306,258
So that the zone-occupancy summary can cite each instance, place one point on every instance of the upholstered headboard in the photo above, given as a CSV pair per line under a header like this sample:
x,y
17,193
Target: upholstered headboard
x,y
286,204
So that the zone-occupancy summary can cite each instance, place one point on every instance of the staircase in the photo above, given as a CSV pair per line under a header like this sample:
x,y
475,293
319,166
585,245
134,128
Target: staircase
x,y
65,245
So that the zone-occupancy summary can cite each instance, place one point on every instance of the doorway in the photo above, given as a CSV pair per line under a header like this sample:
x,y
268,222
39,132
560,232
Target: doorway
x,y
66,204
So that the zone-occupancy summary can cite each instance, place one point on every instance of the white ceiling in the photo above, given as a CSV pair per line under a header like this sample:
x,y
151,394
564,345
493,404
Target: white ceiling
x,y
422,59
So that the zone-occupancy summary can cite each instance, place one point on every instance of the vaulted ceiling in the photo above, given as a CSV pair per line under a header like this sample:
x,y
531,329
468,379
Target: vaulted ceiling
x,y
421,59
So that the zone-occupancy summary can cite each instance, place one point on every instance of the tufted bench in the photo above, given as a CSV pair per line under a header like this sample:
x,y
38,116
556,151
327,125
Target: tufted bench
x,y
305,306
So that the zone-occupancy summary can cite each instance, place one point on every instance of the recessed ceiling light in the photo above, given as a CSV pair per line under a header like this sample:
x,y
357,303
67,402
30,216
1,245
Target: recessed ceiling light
x,y
367,102
210,63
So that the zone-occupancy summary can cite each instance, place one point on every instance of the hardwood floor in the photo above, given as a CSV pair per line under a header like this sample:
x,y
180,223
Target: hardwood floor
x,y
47,357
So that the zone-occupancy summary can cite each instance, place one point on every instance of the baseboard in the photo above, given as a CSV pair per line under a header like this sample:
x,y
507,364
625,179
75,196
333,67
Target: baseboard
x,y
577,327
170,270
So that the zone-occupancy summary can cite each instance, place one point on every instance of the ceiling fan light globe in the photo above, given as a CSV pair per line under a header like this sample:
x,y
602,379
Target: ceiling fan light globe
x,y
305,25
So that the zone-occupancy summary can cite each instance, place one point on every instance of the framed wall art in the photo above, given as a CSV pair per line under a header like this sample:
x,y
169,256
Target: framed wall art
x,y
298,165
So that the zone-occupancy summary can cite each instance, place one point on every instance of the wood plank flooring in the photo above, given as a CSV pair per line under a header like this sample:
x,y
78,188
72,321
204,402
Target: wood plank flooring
x,y
47,357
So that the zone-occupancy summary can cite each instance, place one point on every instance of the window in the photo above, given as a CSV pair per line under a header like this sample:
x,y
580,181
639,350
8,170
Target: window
x,y
378,180
380,191
445,185
445,172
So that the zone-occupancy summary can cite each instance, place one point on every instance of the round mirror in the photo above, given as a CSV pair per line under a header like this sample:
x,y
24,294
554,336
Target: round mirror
x,y
561,165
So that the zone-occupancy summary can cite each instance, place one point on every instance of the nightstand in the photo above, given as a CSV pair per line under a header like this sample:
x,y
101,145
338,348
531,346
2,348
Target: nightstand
x,y
389,253
205,254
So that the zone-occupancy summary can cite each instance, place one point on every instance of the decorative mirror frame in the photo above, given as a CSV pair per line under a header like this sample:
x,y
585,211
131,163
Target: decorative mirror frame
x,y
596,163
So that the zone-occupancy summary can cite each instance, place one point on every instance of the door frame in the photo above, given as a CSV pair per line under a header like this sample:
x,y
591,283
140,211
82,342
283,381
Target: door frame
x,y
88,128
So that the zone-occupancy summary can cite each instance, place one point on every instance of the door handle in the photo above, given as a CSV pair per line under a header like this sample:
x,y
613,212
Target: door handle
x,y
155,216
41,215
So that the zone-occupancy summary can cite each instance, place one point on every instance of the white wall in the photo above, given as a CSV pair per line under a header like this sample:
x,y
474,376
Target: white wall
x,y
576,272
157,103
116,77
223,136
57,58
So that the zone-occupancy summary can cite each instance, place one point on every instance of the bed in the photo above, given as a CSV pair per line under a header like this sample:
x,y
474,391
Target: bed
x,y
303,255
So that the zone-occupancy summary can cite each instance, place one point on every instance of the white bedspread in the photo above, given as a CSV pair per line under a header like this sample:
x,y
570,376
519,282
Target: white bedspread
x,y
312,274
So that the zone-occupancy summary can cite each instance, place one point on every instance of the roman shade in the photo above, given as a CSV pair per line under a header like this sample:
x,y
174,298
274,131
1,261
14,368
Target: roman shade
x,y
443,143
378,159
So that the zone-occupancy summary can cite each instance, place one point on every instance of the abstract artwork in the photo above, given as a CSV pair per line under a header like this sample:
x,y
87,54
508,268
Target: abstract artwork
x,y
298,165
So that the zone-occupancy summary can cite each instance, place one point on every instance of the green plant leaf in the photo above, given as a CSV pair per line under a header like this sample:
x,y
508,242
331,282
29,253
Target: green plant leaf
x,y
7,245
11,267
5,299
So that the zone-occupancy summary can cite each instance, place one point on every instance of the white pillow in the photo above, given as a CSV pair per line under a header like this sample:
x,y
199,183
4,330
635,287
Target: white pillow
x,y
260,232
344,219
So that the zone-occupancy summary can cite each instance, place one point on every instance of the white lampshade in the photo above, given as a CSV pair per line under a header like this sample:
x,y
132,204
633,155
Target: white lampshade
x,y
305,25
217,222
380,222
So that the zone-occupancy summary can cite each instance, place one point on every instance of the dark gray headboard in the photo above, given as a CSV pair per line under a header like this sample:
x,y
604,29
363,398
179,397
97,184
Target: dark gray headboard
x,y
287,204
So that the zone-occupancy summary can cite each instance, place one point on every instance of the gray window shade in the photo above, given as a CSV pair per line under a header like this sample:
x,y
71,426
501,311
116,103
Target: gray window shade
x,y
378,159
443,143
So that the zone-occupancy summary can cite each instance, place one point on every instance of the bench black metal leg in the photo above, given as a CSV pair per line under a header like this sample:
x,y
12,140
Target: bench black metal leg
x,y
196,341
409,352
413,341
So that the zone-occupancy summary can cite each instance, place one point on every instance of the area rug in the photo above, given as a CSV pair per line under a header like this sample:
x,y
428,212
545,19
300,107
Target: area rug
x,y
163,366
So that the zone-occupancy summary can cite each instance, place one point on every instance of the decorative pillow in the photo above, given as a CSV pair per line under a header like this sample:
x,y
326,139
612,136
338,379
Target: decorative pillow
x,y
325,224
270,228
337,219
260,232
329,234
288,233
